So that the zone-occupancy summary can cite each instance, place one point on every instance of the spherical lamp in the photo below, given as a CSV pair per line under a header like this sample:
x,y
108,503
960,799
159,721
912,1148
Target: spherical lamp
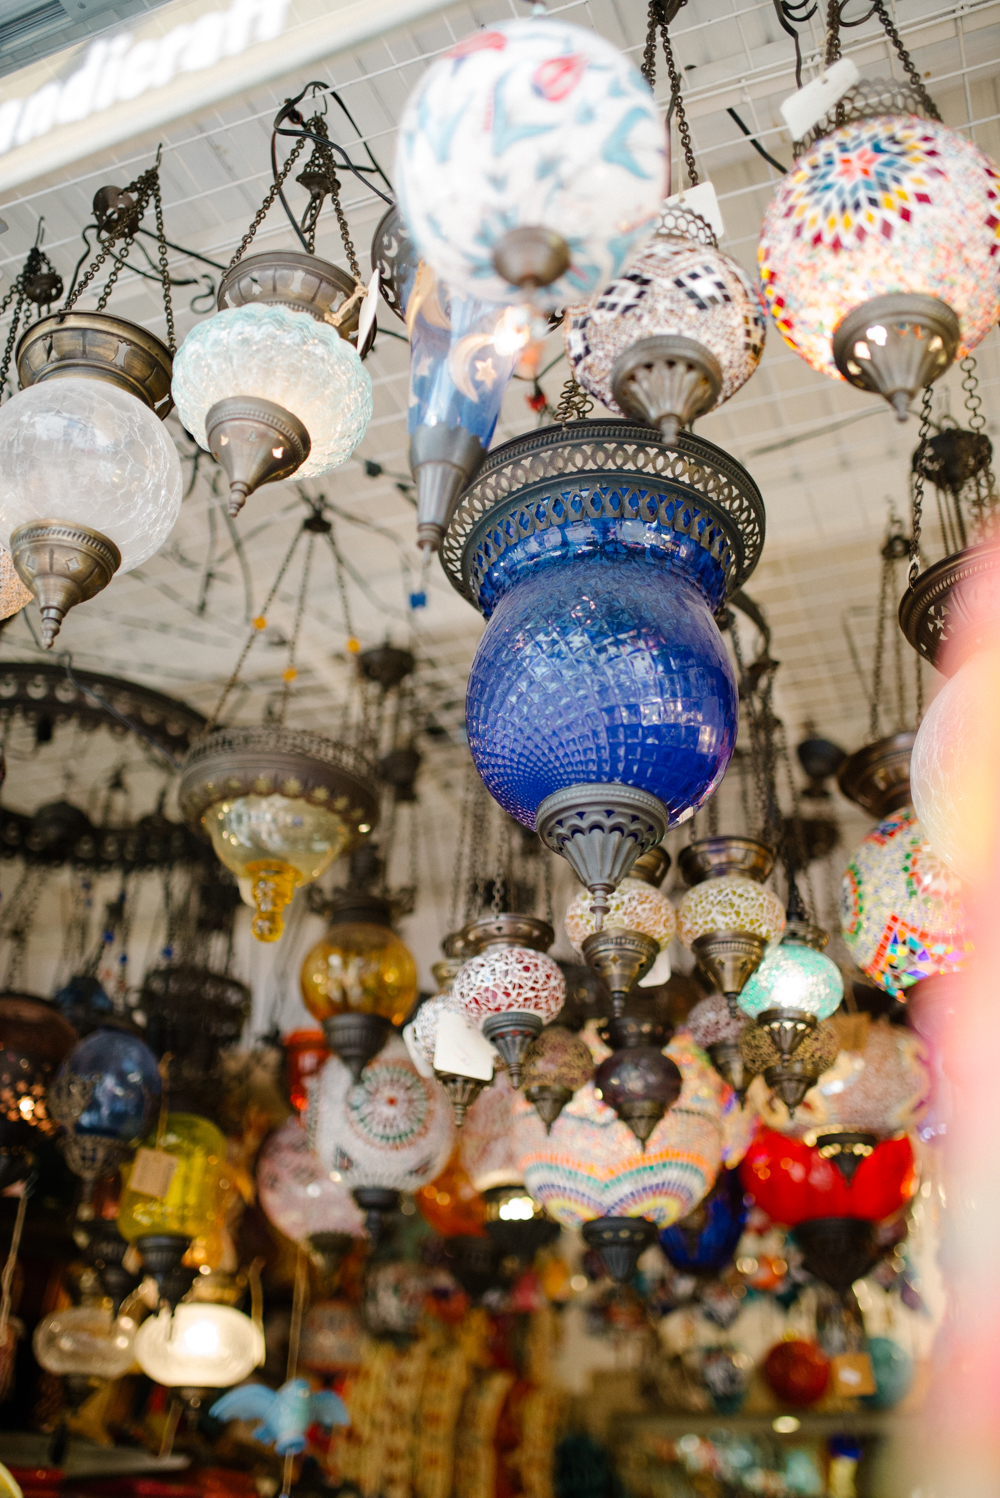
x,y
558,1063
678,333
712,1026
86,1341
359,979
34,1038
104,1096
878,250
892,1369
705,1240
509,987
798,1372
901,910
91,480
299,1198
199,1347
530,162
789,1073
269,384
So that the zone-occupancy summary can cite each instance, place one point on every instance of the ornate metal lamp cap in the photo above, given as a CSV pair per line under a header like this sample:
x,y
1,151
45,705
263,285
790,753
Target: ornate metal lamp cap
x,y
290,278
394,257
512,1033
256,442
63,565
94,345
787,1028
728,959
548,1100
866,99
846,1148
462,1093
456,946
376,1202
729,1062
946,600
358,905
620,959
601,830
838,1250
531,256
445,971
800,930
713,857
666,381
443,461
877,777
651,867
356,1039
896,345
620,1241
507,930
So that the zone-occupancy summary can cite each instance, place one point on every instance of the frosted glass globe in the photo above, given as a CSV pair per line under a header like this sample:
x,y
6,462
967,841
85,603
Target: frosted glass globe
x,y
85,453
85,1339
275,354
200,1346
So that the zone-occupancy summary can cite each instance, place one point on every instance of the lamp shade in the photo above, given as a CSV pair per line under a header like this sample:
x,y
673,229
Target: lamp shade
x,y
634,906
486,1143
199,1346
297,1194
881,206
85,1340
901,910
286,357
531,125
359,967
793,1183
793,976
462,355
507,978
190,1205
391,1129
729,903
85,453
705,1240
451,1205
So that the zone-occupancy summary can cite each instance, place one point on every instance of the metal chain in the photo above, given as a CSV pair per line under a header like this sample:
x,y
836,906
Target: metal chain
x,y
977,421
832,51
341,585
269,198
142,189
345,232
909,67
918,676
917,487
648,66
161,240
324,162
547,885
290,673
8,352
574,404
874,724
756,742
499,869
677,104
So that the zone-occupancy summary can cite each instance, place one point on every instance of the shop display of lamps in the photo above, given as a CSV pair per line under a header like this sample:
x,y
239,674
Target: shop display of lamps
x,y
530,162
280,805
104,1096
557,1065
301,1199
389,1132
34,1038
509,987
464,1062
727,918
877,252
359,979
601,613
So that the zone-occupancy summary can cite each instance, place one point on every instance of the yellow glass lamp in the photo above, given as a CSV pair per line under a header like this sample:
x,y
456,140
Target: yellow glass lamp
x,y
280,806
360,979
172,1192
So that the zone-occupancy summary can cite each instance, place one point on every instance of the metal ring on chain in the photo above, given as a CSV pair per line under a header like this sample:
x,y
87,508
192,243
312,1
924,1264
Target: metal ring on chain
x,y
866,99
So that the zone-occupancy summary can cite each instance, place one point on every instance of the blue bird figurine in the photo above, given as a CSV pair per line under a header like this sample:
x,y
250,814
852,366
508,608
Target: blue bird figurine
x,y
284,1415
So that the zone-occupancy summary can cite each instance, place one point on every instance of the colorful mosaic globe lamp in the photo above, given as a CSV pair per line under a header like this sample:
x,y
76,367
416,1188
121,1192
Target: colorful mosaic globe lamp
x,y
509,987
728,917
300,1200
531,161
601,705
878,253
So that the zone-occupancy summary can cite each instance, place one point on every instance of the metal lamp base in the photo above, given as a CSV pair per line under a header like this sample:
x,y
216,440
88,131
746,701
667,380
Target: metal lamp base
x,y
462,1093
877,777
713,857
666,382
620,1241
621,959
531,256
329,1250
376,1202
356,1039
790,1080
548,1101
846,1148
512,1033
63,565
727,1058
601,830
896,345
256,442
728,959
161,1257
838,1250
787,1028
443,460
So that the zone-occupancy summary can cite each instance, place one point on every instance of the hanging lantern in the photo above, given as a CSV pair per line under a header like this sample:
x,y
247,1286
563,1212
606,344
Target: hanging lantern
x,y
302,1201
34,1038
387,1133
91,482
636,1080
557,1064
675,336
877,1088
451,1205
712,1026
360,979
470,1065
789,1073
901,908
636,906
105,1251
727,918
705,1240
280,805
171,1192
601,613
878,250
199,1347
530,162
798,1372
104,1096
510,988
85,1342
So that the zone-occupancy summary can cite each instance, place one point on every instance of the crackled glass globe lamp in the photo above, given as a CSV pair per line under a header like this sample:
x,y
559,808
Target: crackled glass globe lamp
x,y
794,976
269,384
509,988
199,1346
878,250
299,1197
531,161
85,1340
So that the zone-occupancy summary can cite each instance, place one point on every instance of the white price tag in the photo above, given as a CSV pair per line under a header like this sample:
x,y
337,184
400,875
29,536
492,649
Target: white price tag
x,y
152,1171
702,200
659,972
461,1049
416,1054
802,110
368,309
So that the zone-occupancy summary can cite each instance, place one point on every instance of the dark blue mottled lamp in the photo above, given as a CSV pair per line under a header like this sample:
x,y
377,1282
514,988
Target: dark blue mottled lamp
x,y
602,708
104,1097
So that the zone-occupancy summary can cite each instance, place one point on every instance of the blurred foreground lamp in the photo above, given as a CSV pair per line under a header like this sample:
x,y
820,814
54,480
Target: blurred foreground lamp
x,y
280,805
171,1193
85,1341
727,918
104,1097
360,979
717,1030
530,162
199,1347
34,1038
636,1080
557,1064
90,481
510,988
301,1199
878,250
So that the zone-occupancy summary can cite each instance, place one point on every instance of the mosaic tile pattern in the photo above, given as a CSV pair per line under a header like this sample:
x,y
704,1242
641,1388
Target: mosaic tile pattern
x,y
794,977
634,906
729,903
509,978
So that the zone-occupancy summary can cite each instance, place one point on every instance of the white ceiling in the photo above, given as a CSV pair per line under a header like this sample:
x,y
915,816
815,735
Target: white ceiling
x,y
174,627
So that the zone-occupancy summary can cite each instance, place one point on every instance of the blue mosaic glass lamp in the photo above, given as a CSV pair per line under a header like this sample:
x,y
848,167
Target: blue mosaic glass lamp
x,y
704,1242
601,707
104,1097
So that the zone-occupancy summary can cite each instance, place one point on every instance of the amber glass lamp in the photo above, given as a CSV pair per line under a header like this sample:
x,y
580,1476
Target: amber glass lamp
x,y
360,979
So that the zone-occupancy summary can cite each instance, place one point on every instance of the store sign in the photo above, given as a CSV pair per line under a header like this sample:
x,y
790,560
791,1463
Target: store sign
x,y
121,68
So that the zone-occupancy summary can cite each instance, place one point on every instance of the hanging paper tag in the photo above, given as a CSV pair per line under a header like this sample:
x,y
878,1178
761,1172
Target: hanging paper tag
x,y
366,322
462,1049
416,1055
852,1373
802,110
132,1261
152,1172
659,972
702,200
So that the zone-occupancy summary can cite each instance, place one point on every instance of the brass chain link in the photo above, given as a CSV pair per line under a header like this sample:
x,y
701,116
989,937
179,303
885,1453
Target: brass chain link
x,y
909,67
917,487
655,21
268,202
